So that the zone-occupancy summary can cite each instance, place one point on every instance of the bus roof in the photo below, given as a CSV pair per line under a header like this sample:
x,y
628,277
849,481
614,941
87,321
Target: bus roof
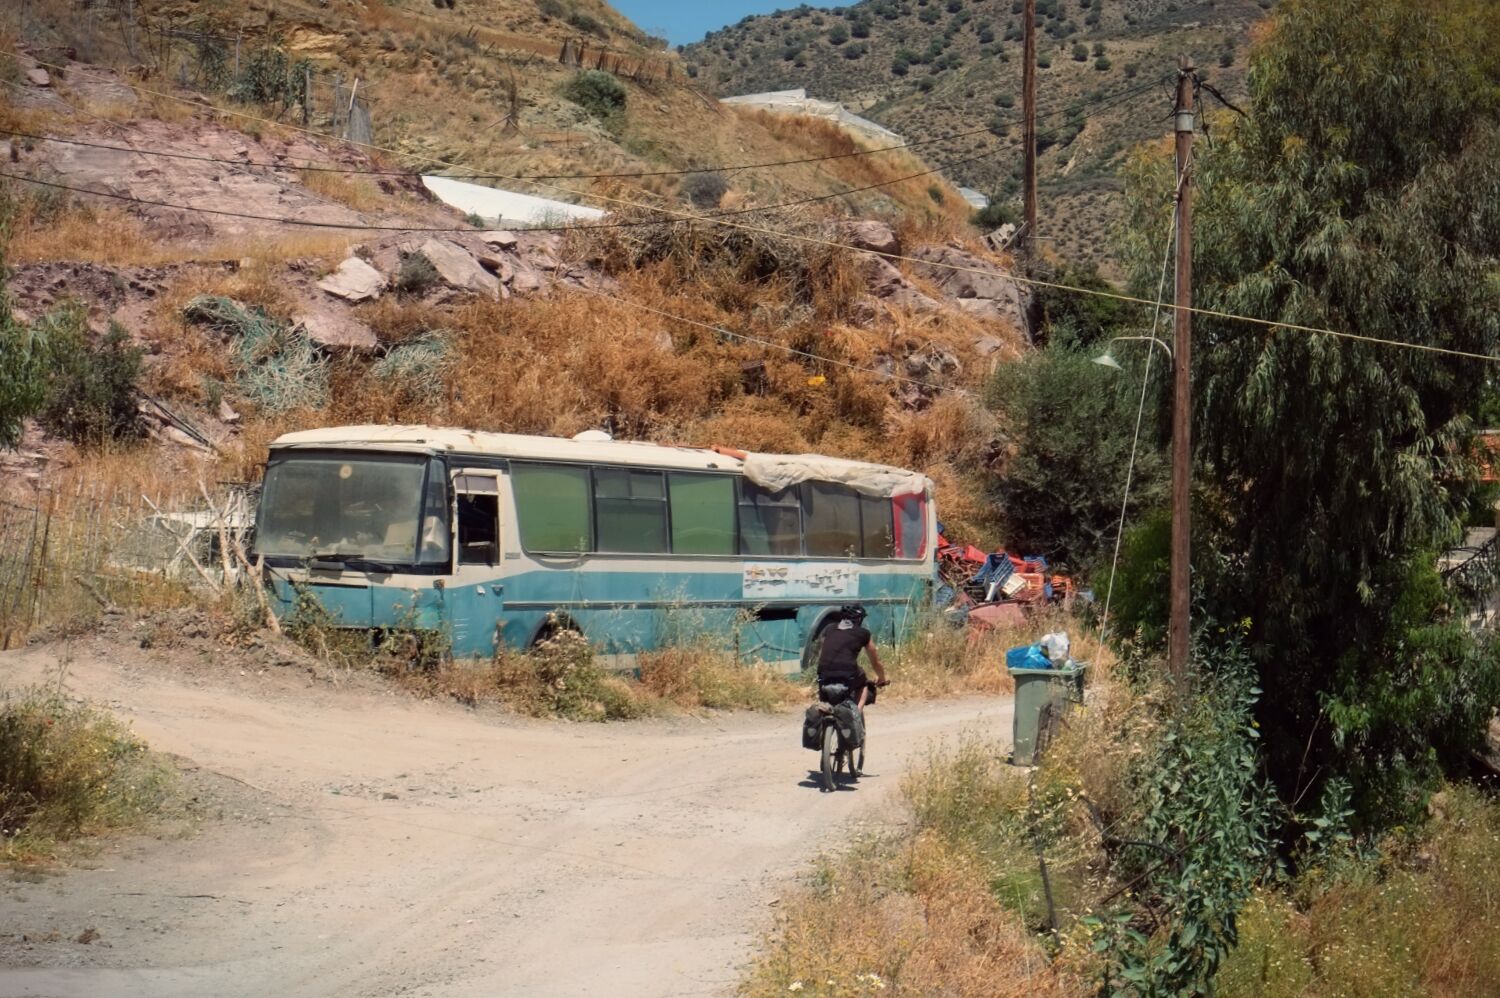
x,y
447,440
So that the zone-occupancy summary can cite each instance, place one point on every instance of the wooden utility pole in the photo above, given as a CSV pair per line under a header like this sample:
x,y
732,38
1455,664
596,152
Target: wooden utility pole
x,y
1028,129
1179,634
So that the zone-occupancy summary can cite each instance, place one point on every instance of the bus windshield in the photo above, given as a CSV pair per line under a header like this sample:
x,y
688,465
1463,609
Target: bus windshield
x,y
343,507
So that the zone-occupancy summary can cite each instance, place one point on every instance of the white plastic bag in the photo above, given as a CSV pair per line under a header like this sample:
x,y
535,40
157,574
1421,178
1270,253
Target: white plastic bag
x,y
1055,647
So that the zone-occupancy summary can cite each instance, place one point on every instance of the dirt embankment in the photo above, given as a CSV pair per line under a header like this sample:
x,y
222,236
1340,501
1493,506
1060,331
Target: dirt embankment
x,y
364,843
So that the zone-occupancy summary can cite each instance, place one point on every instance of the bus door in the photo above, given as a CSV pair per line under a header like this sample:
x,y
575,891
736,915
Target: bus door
x,y
475,594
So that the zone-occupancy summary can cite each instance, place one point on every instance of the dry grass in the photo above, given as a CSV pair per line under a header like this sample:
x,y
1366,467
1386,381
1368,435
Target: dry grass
x,y
941,660
947,907
695,675
353,192
1419,916
45,228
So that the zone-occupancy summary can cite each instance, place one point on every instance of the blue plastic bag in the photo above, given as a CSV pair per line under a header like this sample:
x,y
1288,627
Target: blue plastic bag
x,y
1027,657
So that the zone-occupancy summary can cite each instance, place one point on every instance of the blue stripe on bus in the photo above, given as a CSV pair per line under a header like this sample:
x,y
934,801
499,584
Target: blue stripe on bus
x,y
620,612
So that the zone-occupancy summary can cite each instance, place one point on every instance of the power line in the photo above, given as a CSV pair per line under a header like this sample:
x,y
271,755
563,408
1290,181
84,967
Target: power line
x,y
724,168
307,223
1123,98
366,227
815,240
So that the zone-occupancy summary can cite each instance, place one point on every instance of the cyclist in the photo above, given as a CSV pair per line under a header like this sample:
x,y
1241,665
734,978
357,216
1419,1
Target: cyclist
x,y
838,662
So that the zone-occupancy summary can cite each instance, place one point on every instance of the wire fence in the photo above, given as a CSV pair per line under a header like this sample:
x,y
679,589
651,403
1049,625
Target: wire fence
x,y
66,556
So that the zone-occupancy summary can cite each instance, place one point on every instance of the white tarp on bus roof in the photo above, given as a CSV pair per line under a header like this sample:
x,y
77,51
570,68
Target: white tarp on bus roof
x,y
782,471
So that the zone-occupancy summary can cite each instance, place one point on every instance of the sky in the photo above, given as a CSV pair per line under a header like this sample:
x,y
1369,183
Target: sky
x,y
683,21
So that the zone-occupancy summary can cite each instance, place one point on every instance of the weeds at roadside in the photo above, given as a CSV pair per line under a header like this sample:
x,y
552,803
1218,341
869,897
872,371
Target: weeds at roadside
x,y
66,771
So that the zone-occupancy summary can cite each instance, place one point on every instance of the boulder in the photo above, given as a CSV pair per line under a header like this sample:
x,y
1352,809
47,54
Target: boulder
x,y
984,308
979,279
332,329
38,77
458,269
525,281
932,361
986,345
500,239
497,264
891,286
354,281
877,237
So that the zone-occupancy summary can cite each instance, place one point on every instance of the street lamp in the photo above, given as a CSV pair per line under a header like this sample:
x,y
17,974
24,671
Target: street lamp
x,y
1106,359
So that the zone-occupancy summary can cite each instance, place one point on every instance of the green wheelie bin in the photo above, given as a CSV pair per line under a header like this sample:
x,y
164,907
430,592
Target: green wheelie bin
x,y
1043,697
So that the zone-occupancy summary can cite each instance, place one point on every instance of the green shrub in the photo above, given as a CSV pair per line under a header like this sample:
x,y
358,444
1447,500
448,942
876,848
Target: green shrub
x,y
1202,841
994,215
277,368
91,396
583,22
1060,493
1102,64
67,770
24,362
561,677
416,275
597,92
704,190
270,77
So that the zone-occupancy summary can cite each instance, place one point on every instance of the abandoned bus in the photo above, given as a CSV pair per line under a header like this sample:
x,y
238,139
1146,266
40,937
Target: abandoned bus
x,y
497,539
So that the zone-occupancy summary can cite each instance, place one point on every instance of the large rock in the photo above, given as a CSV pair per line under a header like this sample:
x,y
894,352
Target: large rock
x,y
971,282
333,329
986,345
877,237
932,361
354,281
38,77
525,280
975,278
889,285
458,268
500,239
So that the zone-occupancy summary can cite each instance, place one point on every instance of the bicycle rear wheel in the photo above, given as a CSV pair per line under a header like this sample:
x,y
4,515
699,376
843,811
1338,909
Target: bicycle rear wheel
x,y
830,754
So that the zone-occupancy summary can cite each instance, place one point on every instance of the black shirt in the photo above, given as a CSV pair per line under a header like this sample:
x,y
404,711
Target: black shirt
x,y
839,659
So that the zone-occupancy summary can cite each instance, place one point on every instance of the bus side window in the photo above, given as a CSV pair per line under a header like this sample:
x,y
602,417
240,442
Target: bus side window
x,y
478,519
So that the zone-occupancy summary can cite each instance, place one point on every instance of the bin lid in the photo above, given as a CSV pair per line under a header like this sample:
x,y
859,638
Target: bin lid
x,y
1067,672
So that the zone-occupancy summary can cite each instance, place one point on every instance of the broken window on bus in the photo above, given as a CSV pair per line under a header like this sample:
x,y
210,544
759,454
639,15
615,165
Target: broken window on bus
x,y
875,525
702,513
552,507
770,522
478,519
830,520
630,508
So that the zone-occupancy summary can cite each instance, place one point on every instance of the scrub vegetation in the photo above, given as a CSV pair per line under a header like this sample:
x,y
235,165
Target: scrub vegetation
x,y
67,771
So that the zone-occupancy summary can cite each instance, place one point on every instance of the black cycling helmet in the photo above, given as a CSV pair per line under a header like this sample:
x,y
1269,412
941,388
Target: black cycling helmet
x,y
853,612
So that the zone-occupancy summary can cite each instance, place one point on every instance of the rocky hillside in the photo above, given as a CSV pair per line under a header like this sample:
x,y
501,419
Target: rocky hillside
x,y
550,91
938,70
394,308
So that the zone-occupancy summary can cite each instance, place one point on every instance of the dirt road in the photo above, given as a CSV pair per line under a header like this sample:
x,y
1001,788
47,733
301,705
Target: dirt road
x,y
375,845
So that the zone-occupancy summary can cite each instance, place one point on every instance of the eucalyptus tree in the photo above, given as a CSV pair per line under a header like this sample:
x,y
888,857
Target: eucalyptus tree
x,y
1360,192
